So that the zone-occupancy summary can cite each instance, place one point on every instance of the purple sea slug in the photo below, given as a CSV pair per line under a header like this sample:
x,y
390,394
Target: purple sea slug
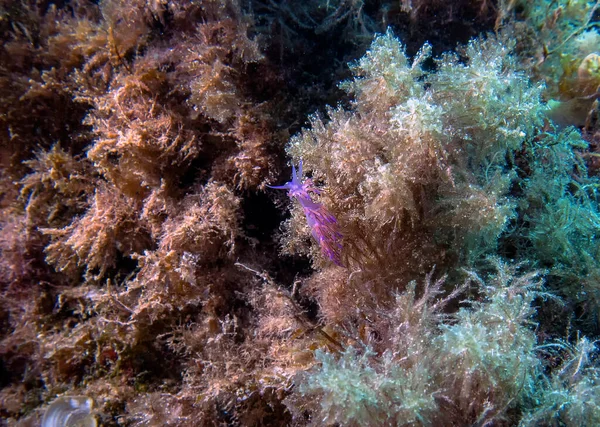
x,y
323,225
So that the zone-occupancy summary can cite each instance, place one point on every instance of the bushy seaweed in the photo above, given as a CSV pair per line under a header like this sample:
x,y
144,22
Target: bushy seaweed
x,y
439,265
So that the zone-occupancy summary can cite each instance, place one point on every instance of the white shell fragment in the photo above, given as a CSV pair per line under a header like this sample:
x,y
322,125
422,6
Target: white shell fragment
x,y
70,411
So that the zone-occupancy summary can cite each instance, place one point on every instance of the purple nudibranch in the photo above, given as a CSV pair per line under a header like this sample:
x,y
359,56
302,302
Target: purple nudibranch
x,y
323,225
